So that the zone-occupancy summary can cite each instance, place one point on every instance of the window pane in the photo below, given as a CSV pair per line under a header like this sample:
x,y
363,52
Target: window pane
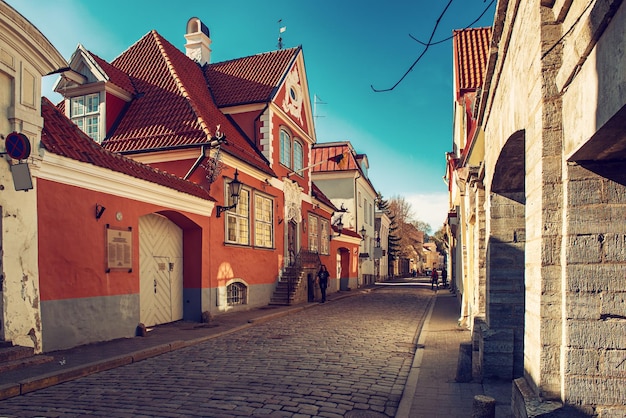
x,y
324,238
285,149
92,127
78,106
231,225
93,101
243,205
313,234
237,221
263,225
243,231
297,157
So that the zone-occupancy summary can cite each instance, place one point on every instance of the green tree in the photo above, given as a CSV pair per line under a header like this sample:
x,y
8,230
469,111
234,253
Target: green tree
x,y
393,239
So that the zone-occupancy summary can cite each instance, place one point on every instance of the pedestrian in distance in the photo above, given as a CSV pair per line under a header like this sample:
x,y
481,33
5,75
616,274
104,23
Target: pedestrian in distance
x,y
322,277
434,279
444,277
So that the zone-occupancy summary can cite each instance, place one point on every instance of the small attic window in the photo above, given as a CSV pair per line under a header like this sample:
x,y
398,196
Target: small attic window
x,y
293,94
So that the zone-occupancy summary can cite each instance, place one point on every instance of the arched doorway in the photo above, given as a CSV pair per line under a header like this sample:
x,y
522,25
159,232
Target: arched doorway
x,y
160,270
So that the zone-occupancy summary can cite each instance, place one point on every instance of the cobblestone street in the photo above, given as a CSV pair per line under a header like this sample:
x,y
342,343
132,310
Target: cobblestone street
x,y
353,354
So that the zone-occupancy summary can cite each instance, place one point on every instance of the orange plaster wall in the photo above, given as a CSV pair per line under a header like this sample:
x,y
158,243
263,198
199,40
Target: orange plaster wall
x,y
254,265
279,169
72,243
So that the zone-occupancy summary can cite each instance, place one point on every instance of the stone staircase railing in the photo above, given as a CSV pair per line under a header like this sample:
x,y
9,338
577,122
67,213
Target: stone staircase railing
x,y
287,287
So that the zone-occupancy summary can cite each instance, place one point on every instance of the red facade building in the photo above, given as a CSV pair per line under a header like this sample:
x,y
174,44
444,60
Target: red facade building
x,y
165,133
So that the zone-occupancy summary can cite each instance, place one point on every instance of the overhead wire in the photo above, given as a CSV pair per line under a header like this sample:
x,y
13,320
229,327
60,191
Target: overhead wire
x,y
428,44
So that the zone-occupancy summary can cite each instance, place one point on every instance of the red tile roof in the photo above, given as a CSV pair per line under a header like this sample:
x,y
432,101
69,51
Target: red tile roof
x,y
322,154
253,79
116,76
173,107
62,137
471,49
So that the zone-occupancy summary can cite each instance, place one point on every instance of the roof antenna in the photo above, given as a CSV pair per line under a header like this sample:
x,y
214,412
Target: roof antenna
x,y
316,101
281,29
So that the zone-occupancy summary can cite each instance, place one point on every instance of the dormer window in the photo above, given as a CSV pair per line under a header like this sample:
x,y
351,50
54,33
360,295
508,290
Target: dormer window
x,y
85,112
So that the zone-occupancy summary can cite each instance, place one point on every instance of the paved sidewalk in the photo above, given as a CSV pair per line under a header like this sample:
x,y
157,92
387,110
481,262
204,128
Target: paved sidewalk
x,y
431,390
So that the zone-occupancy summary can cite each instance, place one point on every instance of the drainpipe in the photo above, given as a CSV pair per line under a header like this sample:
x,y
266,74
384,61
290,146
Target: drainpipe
x,y
202,156
204,152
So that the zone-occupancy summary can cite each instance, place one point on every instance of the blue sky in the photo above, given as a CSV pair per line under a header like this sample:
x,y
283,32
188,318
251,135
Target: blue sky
x,y
349,46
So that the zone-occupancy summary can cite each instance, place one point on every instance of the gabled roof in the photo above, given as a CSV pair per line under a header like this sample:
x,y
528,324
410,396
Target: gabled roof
x,y
117,77
62,137
325,158
471,48
173,107
253,79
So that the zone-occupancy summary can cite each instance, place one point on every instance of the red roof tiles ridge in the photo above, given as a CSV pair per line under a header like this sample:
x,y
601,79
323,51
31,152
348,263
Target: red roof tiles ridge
x,y
251,79
115,76
62,137
163,116
471,47
180,84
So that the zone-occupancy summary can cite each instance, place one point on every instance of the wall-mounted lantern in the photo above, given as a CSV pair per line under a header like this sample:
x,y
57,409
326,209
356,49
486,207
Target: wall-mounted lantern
x,y
234,188
339,225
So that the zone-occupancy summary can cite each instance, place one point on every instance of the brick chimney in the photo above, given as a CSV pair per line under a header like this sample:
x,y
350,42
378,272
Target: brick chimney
x,y
198,46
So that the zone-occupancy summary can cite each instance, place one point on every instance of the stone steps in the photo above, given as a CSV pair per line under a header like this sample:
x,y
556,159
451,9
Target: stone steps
x,y
13,357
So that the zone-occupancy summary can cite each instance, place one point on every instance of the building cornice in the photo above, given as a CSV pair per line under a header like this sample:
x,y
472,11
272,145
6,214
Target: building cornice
x,y
74,173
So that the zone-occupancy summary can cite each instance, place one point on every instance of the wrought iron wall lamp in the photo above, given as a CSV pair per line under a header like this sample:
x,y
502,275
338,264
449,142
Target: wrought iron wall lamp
x,y
339,224
234,188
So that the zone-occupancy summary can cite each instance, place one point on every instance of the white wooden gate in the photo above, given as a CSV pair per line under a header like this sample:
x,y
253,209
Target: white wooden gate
x,y
160,270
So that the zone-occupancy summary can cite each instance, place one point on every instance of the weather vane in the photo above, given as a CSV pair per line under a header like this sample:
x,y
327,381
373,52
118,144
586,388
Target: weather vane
x,y
281,29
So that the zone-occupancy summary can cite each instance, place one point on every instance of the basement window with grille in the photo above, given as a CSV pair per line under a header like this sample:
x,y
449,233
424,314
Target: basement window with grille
x,y
236,294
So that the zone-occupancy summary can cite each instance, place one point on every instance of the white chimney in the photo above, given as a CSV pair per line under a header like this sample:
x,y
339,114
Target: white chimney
x,y
198,46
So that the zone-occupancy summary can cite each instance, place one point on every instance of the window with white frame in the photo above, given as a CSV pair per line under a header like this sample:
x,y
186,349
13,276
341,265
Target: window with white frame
x,y
291,152
285,148
238,220
298,157
324,237
319,236
313,234
263,221
85,113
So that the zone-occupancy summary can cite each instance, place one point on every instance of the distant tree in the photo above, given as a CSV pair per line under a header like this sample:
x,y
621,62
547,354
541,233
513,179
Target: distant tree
x,y
439,238
393,240
408,225
422,226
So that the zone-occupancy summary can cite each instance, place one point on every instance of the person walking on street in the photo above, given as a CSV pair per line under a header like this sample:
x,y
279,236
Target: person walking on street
x,y
322,276
434,279
444,277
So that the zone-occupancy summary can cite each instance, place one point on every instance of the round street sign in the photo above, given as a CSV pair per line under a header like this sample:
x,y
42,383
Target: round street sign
x,y
17,146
